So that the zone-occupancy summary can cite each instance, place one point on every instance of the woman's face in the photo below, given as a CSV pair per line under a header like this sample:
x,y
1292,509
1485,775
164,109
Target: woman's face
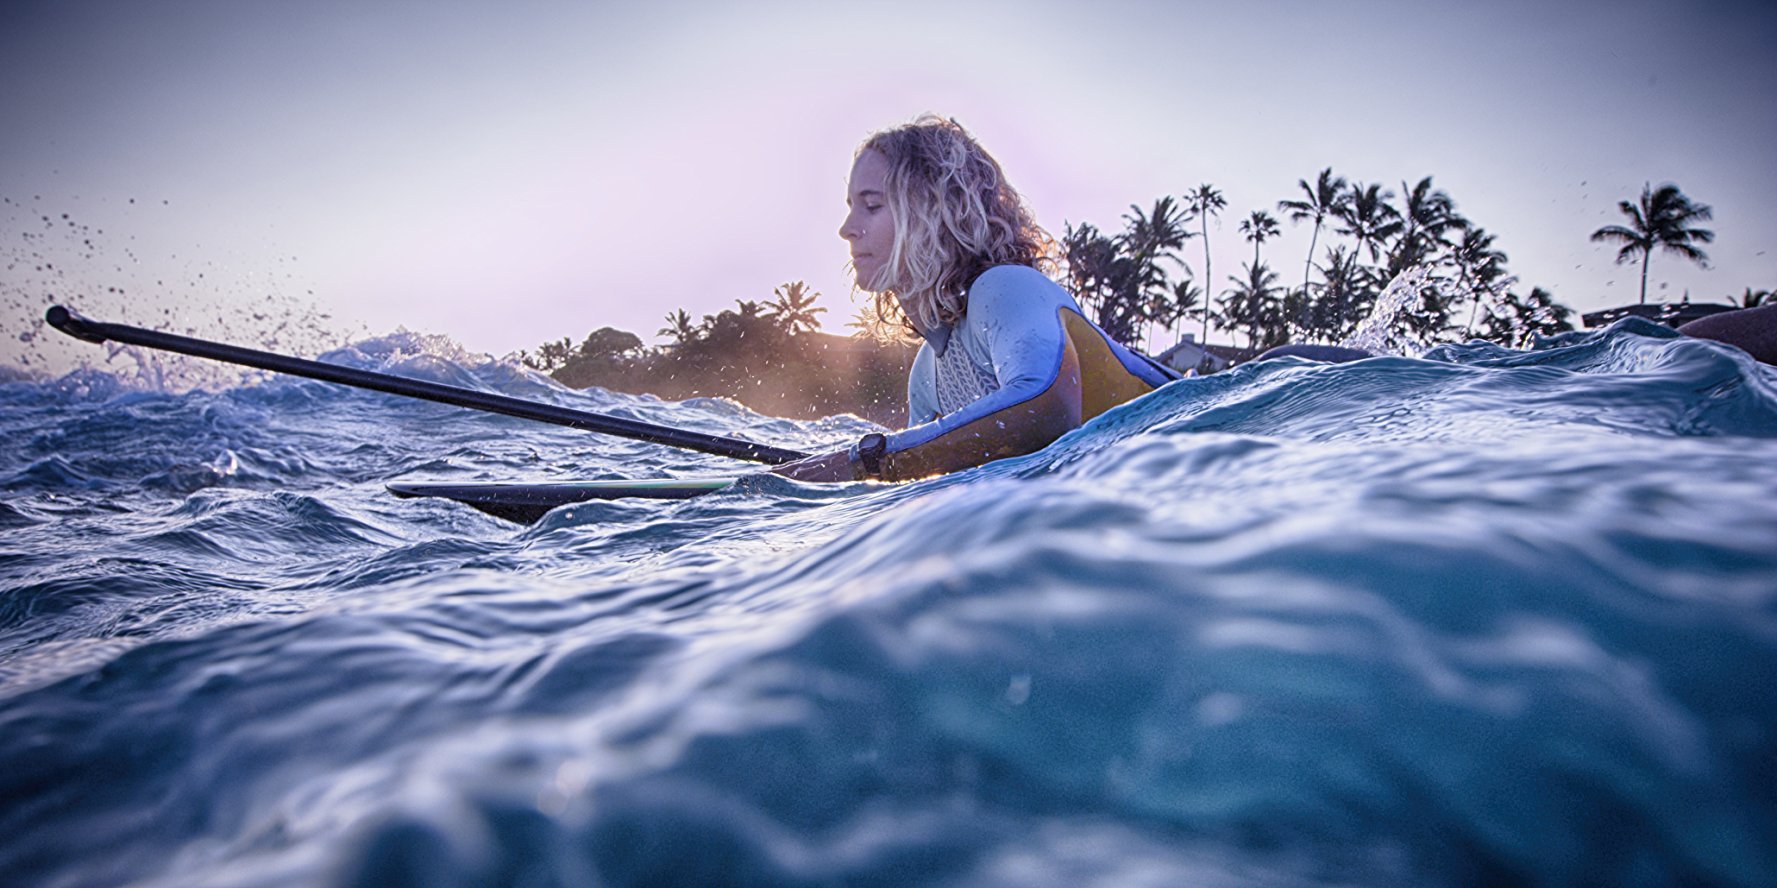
x,y
868,227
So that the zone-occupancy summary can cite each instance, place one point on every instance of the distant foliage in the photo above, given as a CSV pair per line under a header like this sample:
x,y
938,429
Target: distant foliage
x,y
606,345
1138,282
1126,280
768,355
549,356
1514,321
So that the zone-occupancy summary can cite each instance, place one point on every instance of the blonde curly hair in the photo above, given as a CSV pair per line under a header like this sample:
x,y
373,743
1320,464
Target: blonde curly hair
x,y
955,217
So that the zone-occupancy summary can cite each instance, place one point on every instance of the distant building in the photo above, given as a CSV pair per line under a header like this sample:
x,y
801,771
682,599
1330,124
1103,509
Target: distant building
x,y
1190,355
1672,314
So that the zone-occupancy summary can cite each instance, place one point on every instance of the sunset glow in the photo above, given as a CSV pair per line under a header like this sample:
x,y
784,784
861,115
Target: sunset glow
x,y
511,175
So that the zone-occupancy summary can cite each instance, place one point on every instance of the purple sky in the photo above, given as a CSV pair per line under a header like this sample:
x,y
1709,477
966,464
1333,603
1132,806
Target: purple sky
x,y
510,173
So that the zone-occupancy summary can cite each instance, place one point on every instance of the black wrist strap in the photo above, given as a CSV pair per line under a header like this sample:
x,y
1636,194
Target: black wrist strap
x,y
868,452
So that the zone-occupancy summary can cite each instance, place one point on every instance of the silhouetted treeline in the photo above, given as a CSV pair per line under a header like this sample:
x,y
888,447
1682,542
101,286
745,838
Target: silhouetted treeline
x,y
1142,280
768,356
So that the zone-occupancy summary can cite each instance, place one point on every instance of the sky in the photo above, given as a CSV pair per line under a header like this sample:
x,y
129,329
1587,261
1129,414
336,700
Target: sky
x,y
511,173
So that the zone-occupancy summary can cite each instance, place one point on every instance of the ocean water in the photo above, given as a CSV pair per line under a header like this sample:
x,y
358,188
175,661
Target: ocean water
x,y
1484,617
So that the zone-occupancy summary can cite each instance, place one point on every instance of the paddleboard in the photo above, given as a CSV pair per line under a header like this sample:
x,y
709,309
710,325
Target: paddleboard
x,y
525,503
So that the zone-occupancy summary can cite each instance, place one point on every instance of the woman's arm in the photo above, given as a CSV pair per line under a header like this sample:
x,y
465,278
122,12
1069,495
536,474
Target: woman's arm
x,y
1038,399
1018,316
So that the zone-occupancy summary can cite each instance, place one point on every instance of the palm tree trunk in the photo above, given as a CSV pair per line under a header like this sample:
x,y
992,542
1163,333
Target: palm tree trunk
x,y
1474,305
1208,279
1645,255
1308,266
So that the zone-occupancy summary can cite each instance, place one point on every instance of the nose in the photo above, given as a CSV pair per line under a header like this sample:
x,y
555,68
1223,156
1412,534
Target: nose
x,y
848,229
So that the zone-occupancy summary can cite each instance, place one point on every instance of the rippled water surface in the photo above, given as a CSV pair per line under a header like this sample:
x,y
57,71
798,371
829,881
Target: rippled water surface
x,y
1488,617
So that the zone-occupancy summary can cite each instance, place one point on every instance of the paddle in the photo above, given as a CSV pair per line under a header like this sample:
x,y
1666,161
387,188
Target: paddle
x,y
97,331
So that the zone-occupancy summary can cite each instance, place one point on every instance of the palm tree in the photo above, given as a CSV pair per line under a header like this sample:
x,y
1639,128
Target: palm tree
x,y
1343,274
1368,218
1429,214
1205,202
551,355
1157,234
1186,301
1094,270
1663,219
1479,262
1753,299
1323,198
1258,228
794,309
1252,303
678,328
1147,239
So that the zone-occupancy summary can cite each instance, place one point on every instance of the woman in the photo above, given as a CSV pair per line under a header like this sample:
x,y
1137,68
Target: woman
x,y
1008,363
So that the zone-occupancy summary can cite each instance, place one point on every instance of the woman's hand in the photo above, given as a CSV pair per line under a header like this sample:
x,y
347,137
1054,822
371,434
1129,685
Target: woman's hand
x,y
836,466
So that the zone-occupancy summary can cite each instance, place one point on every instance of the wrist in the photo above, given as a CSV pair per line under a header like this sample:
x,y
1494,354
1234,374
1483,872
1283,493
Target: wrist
x,y
866,455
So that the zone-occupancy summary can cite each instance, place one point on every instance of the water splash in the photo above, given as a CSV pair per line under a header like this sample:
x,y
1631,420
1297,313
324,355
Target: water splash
x,y
53,256
1388,329
1380,333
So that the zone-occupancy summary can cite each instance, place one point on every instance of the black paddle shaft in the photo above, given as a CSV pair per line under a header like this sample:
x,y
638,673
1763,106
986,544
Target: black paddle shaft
x,y
98,331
